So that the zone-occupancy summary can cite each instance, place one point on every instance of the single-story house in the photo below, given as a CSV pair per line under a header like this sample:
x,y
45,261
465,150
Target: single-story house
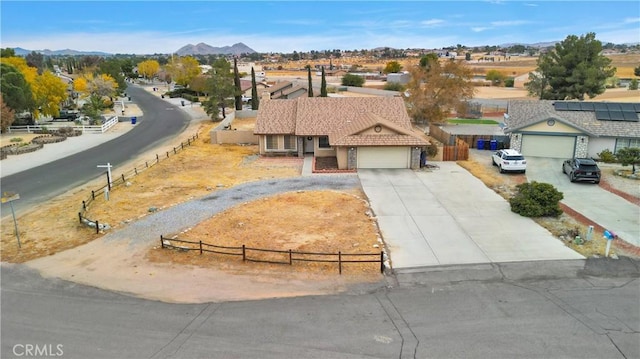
x,y
277,89
246,87
361,132
568,129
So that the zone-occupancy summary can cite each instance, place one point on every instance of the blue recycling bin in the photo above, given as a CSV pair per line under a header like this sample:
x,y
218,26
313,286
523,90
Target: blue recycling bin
x,y
493,145
481,143
133,120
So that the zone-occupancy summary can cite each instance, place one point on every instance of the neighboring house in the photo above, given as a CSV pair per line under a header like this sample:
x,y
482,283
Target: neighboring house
x,y
402,78
567,129
276,90
245,87
361,132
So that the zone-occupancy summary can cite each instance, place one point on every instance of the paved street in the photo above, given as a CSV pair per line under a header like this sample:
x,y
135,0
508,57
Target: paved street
x,y
573,314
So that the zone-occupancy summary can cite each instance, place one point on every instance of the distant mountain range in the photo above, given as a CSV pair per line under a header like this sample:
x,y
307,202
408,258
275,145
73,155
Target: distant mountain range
x,y
66,52
204,49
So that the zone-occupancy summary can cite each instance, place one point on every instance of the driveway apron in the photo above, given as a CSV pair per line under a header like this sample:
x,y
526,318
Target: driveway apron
x,y
602,207
448,217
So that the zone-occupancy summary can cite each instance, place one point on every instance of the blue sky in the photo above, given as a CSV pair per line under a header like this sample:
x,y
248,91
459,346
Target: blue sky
x,y
146,27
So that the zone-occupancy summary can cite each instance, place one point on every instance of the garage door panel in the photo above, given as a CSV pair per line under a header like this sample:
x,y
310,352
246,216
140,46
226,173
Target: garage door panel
x,y
548,146
383,157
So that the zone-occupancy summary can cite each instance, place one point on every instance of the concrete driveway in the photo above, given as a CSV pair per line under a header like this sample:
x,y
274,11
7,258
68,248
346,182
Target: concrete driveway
x,y
448,217
602,207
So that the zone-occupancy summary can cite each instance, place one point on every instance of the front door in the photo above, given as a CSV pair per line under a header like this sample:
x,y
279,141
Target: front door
x,y
308,144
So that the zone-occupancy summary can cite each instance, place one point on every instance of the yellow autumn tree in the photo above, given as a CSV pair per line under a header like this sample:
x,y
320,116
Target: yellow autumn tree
x,y
29,73
49,91
183,70
80,85
148,68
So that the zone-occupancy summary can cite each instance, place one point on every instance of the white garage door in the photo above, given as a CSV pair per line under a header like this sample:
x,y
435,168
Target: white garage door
x,y
548,146
383,157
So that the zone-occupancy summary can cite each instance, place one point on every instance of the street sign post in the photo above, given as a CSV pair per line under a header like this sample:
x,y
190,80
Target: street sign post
x,y
10,197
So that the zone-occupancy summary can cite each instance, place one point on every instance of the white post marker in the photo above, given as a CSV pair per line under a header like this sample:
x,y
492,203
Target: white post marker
x,y
609,236
108,167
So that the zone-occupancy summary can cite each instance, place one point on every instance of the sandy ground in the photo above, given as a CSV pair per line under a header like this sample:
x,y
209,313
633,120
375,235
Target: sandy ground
x,y
140,270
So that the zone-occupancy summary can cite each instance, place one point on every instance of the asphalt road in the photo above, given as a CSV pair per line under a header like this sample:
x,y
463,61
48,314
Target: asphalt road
x,y
161,121
590,315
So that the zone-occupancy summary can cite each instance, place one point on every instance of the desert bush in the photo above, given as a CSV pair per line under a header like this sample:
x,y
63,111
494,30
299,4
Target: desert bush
x,y
536,200
509,81
16,139
606,156
394,86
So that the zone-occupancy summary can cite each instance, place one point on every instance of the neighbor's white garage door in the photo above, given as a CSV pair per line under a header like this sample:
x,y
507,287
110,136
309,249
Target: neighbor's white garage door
x,y
383,157
548,146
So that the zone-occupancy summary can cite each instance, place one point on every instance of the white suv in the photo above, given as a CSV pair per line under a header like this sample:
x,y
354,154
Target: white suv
x,y
509,160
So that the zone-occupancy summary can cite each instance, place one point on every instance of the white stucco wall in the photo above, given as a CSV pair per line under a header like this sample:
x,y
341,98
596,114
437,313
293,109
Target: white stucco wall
x,y
597,144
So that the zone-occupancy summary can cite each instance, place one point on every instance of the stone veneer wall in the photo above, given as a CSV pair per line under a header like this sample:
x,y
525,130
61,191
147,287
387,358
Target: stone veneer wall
x,y
582,147
415,158
516,141
352,158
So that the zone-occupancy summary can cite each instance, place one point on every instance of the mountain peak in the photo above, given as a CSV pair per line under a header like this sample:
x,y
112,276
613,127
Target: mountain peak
x,y
205,49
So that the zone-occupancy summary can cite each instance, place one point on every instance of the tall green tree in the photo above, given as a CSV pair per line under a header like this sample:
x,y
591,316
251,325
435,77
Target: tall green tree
x,y
574,68
436,89
236,83
323,85
310,92
220,88
255,99
7,52
113,68
16,91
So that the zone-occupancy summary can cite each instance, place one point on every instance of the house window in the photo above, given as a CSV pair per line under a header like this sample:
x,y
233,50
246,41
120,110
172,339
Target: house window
x,y
272,142
289,142
323,142
626,142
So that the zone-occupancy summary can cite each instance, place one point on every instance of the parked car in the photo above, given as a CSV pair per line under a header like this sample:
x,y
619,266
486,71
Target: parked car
x,y
509,160
581,169
67,115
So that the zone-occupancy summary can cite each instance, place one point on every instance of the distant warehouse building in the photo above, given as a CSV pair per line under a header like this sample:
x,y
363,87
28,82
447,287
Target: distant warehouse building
x,y
399,77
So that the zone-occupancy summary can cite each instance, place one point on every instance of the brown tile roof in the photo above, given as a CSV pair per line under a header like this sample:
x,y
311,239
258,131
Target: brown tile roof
x,y
293,89
339,118
523,113
278,86
320,116
380,140
276,117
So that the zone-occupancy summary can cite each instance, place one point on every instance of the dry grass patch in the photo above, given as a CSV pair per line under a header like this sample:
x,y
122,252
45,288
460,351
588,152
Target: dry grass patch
x,y
5,138
243,123
314,221
199,169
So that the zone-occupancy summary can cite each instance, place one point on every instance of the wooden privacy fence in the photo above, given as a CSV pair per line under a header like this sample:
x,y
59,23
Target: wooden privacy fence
x,y
458,152
122,179
275,256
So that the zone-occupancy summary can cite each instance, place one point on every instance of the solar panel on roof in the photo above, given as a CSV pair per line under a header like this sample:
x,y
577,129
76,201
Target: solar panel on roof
x,y
573,106
630,116
602,115
614,107
636,106
586,106
560,106
616,115
600,106
627,107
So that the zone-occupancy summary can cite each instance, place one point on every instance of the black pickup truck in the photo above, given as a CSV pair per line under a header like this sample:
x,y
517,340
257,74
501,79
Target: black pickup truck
x,y
67,115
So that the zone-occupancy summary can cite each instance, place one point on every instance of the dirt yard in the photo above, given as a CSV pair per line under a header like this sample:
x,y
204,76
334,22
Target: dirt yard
x,y
202,169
